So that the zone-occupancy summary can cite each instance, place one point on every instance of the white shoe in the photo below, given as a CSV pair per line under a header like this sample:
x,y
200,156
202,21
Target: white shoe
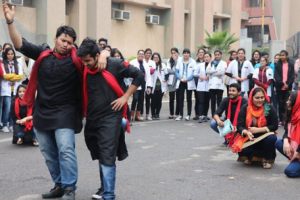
x,y
5,129
142,117
187,118
11,129
149,118
178,118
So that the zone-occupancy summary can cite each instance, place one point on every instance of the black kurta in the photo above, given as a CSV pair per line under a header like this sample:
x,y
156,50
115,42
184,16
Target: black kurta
x,y
103,133
58,102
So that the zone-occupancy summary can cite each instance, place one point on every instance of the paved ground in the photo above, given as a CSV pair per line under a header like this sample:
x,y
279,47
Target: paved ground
x,y
168,160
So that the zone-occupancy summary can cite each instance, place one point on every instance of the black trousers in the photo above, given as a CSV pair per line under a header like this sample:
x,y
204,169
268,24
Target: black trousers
x,y
148,98
204,98
282,96
216,97
171,103
180,95
138,98
156,102
196,103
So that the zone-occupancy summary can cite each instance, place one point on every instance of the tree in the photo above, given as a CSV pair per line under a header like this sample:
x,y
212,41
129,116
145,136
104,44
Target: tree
x,y
219,40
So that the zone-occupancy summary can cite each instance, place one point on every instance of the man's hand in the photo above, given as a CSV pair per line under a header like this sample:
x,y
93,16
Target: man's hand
x,y
220,123
101,65
8,14
119,103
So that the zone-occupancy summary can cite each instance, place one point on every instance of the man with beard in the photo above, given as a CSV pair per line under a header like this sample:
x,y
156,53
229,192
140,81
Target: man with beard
x,y
231,105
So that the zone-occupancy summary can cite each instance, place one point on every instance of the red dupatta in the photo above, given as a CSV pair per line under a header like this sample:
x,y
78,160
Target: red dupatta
x,y
28,124
294,135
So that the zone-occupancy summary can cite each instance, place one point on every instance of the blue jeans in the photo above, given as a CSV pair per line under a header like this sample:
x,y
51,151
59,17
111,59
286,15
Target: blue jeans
x,y
295,86
242,94
214,125
22,134
108,181
58,148
293,169
6,100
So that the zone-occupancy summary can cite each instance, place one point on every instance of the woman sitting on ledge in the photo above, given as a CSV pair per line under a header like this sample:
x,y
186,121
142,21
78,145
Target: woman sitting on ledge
x,y
257,121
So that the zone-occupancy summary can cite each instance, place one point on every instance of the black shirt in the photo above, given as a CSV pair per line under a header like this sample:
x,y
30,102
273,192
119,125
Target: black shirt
x,y
224,107
58,101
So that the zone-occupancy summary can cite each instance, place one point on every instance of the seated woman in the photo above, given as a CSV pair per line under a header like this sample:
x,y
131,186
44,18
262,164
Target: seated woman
x,y
289,146
22,117
257,121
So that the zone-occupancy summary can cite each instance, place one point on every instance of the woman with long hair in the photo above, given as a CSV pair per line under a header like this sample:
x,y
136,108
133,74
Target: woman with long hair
x,y
258,121
289,145
216,71
284,77
255,59
240,71
12,76
22,117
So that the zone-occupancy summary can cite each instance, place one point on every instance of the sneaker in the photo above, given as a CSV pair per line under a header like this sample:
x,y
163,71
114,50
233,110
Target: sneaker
x,y
56,192
279,124
69,194
200,120
5,129
196,117
149,118
187,118
225,143
205,119
98,194
11,129
179,118
142,118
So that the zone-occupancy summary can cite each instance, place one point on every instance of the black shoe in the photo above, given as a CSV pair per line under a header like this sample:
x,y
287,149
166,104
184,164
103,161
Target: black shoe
x,y
69,194
153,117
157,117
225,144
196,118
56,192
98,194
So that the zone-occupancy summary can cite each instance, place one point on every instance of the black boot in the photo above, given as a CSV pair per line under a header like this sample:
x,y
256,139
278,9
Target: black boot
x,y
69,194
56,192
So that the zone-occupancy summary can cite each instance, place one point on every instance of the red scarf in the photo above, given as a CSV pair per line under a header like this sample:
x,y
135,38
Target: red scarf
x,y
295,135
1,70
112,82
234,123
28,124
29,96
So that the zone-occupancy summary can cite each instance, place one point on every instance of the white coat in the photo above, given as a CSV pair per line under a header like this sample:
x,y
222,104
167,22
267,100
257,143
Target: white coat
x,y
148,78
6,85
200,71
247,69
216,76
191,68
161,77
26,69
269,74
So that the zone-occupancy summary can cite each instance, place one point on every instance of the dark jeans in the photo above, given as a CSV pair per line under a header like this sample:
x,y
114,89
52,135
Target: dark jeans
x,y
282,96
171,103
203,107
156,102
267,145
148,98
293,169
215,97
197,102
138,98
180,93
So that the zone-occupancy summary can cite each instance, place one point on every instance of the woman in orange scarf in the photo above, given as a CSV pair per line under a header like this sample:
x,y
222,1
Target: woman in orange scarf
x,y
289,146
256,121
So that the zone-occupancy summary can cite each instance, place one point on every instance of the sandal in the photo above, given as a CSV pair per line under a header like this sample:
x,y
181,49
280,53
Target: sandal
x,y
266,164
248,161
20,141
35,142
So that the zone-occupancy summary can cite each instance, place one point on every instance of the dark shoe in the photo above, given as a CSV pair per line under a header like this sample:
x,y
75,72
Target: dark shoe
x,y
154,117
69,194
157,117
98,194
208,118
56,192
196,118
225,144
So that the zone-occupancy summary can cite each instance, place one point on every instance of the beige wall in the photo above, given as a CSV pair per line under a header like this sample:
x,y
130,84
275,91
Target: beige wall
x,y
294,17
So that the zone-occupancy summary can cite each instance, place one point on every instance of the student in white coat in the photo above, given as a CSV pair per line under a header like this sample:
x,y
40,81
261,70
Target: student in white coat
x,y
185,81
263,76
240,71
203,88
159,86
27,64
216,72
138,97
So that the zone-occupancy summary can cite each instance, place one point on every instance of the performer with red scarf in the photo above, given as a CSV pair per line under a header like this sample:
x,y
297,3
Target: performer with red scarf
x,y
231,105
104,100
258,121
289,146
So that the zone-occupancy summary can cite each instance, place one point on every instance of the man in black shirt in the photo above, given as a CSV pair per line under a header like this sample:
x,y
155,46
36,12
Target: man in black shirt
x,y
104,100
234,101
57,75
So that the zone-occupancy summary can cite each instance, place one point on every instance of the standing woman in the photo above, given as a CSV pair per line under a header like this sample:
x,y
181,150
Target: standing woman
x,y
12,76
233,56
216,72
159,86
138,97
284,77
263,76
172,80
185,81
27,65
202,88
199,60
240,71
254,60
289,145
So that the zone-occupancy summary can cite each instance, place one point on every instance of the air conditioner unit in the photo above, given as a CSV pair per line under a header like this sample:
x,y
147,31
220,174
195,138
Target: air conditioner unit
x,y
121,14
15,2
152,19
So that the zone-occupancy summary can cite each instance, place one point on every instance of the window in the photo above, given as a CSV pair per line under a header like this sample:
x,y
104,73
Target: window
x,y
115,5
256,3
254,32
148,11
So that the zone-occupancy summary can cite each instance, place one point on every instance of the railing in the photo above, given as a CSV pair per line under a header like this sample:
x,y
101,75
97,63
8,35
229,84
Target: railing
x,y
293,46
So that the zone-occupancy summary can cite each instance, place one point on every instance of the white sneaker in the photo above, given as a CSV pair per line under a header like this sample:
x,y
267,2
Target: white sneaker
x,y
5,129
142,117
187,118
11,129
178,118
149,118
